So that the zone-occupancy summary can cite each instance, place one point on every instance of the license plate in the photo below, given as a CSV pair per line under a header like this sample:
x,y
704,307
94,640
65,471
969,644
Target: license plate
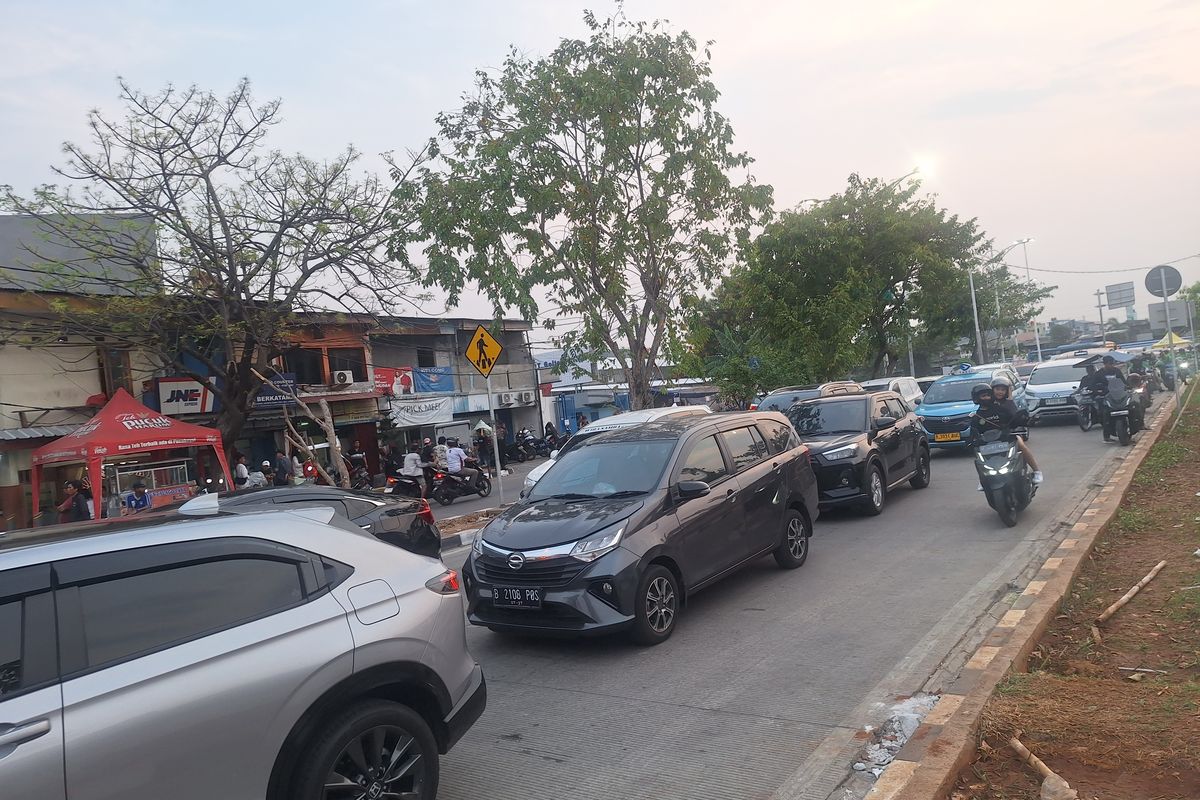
x,y
947,437
516,597
1056,401
993,448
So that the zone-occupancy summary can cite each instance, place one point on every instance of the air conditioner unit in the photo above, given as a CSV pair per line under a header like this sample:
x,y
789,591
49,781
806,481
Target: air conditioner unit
x,y
343,377
526,397
505,398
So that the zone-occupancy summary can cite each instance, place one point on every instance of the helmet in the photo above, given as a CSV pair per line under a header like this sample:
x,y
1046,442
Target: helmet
x,y
978,391
1000,380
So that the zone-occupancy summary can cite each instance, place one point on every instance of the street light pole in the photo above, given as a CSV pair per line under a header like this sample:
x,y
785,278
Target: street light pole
x,y
975,312
1037,339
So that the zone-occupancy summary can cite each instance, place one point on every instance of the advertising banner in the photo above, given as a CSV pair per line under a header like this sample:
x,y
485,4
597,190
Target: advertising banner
x,y
432,380
393,381
269,398
414,412
185,396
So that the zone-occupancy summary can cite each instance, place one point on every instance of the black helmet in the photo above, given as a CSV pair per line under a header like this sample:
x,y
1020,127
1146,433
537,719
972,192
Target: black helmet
x,y
978,391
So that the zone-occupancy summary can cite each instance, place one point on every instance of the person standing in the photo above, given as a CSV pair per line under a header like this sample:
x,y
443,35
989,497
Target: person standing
x,y
139,500
241,473
283,468
74,507
257,477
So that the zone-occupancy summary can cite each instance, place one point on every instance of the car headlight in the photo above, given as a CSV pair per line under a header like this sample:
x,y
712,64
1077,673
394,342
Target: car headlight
x,y
528,484
477,545
841,453
598,544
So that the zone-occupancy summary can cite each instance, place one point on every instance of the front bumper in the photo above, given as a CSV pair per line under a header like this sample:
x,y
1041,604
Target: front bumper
x,y
573,599
1044,410
840,484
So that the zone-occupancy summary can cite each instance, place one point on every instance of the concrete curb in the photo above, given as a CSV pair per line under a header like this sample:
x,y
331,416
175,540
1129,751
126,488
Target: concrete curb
x,y
927,767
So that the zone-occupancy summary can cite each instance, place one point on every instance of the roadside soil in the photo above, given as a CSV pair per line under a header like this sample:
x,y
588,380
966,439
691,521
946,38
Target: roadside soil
x,y
466,522
1109,735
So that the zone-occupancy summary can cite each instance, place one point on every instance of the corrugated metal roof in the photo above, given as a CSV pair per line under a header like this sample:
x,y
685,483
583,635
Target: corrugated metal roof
x,y
36,432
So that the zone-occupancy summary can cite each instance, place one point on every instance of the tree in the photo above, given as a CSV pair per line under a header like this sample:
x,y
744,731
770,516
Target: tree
x,y
1060,334
599,175
242,237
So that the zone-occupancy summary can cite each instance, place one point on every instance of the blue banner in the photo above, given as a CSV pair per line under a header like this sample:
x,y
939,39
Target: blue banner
x,y
269,398
427,380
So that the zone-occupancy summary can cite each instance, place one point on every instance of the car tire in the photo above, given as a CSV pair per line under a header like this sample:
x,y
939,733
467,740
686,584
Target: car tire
x,y
876,493
656,606
792,552
920,479
409,753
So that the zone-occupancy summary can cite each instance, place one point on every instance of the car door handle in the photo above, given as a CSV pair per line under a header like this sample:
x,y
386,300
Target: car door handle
x,y
24,733
732,495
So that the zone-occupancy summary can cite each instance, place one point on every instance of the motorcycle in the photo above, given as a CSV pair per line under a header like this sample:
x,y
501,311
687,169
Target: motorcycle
x,y
405,485
1004,474
1122,413
1137,385
1168,376
1088,414
447,487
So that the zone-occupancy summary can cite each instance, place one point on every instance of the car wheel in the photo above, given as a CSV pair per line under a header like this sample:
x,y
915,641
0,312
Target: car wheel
x,y
792,552
920,479
656,607
373,749
876,493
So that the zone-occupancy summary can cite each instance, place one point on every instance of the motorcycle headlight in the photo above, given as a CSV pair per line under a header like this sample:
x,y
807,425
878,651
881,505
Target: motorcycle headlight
x,y
598,543
841,453
1183,365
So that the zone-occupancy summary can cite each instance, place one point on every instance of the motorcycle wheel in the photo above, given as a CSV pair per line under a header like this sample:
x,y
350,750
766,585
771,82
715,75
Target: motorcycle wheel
x,y
521,456
443,495
1085,420
485,486
1006,505
1122,426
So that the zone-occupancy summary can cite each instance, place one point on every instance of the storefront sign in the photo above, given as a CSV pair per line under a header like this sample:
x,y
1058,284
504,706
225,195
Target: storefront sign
x,y
185,396
393,381
430,380
412,413
270,398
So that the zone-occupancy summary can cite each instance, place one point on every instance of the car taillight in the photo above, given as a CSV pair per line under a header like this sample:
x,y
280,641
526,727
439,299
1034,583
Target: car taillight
x,y
446,583
426,513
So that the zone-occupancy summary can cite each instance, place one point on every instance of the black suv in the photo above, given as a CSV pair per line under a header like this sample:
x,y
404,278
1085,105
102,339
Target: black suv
x,y
863,446
630,523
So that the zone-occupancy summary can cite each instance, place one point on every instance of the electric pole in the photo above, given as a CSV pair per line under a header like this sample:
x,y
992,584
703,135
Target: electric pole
x,y
1100,311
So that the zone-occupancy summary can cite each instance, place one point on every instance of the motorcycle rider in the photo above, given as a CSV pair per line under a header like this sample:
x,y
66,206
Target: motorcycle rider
x,y
457,462
413,466
997,409
1109,374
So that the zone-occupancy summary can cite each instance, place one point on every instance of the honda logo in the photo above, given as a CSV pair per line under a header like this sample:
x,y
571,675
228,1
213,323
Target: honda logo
x,y
516,561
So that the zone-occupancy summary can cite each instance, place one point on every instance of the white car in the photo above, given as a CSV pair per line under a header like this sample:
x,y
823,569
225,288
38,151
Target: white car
x,y
906,387
1051,387
608,424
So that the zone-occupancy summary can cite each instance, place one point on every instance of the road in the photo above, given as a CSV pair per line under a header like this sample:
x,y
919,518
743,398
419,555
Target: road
x,y
770,674
512,488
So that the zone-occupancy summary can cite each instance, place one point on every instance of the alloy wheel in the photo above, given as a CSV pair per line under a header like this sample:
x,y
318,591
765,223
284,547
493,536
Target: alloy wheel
x,y
876,489
660,604
797,539
381,763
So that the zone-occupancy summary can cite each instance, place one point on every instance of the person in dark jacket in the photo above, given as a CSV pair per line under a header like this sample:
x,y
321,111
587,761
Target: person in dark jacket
x,y
1016,417
283,469
74,507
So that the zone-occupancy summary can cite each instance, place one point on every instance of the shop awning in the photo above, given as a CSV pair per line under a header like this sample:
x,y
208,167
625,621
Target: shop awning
x,y
1172,339
35,432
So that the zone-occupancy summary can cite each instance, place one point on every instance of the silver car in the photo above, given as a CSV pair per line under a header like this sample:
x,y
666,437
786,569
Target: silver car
x,y
279,654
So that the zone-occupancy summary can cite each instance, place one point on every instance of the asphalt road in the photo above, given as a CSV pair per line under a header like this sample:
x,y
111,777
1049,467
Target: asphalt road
x,y
770,674
512,488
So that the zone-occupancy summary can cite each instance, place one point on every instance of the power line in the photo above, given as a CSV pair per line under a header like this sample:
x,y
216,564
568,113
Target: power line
x,y
1095,271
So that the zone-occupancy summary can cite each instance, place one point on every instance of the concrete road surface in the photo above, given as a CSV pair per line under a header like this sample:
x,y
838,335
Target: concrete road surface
x,y
770,673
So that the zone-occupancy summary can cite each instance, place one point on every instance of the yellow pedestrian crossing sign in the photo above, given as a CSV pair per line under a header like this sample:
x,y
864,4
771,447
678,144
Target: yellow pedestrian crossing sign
x,y
483,351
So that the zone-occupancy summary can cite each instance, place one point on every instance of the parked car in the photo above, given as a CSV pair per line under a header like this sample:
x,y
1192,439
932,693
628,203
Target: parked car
x,y
945,412
782,399
609,424
402,521
629,524
239,656
863,446
928,381
1050,390
906,387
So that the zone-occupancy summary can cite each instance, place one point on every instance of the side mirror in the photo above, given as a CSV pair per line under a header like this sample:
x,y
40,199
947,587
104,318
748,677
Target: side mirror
x,y
553,454
688,490
883,423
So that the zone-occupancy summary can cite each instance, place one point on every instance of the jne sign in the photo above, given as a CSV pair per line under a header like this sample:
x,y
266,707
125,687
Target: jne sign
x,y
184,396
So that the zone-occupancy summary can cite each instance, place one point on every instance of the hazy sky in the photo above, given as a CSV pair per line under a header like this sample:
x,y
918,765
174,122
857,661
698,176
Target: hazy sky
x,y
1077,123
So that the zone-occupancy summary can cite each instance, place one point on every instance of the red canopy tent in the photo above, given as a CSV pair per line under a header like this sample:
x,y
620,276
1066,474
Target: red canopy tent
x,y
122,428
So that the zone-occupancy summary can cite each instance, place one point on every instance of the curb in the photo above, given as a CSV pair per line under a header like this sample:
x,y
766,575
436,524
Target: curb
x,y
929,763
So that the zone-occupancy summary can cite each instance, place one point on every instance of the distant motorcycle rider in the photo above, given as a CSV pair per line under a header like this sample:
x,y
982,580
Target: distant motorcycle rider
x,y
1103,381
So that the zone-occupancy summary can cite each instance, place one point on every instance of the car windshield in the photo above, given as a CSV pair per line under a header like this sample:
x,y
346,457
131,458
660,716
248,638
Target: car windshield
x,y
783,401
953,391
844,416
1059,373
602,469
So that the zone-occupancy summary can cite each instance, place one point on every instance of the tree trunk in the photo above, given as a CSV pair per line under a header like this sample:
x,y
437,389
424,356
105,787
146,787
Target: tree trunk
x,y
638,377
229,424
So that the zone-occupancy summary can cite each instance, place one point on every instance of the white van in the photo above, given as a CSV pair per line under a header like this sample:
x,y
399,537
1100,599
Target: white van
x,y
609,424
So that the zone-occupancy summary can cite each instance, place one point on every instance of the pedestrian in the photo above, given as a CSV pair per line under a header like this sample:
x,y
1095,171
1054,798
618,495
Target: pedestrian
x,y
283,468
74,507
241,473
138,501
580,421
427,459
257,477
502,444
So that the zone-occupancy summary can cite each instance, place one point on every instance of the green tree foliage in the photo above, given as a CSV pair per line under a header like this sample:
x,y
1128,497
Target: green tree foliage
x,y
200,244
600,176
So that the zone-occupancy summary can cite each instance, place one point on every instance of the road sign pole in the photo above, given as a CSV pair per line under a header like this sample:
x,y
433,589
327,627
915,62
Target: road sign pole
x,y
495,441
1162,277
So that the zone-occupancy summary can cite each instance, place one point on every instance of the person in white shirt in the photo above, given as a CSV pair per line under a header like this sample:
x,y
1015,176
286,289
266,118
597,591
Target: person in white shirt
x,y
456,461
413,466
256,478
241,473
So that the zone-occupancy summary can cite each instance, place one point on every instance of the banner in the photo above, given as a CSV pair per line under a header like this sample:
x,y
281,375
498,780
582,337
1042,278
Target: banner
x,y
185,396
427,380
269,398
413,413
393,381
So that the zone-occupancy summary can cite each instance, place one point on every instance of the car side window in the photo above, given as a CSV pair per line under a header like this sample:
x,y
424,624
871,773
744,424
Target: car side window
x,y
11,657
896,407
704,462
880,409
780,437
358,507
336,504
746,447
135,614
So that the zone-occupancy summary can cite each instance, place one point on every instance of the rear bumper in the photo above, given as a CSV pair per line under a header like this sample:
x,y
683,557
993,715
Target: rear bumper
x,y
469,709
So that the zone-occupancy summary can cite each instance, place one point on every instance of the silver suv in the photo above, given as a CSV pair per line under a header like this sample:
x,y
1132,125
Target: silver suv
x,y
278,654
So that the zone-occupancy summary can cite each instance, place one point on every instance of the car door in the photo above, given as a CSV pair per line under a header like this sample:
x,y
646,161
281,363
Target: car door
x,y
906,423
889,441
707,534
185,665
758,504
31,730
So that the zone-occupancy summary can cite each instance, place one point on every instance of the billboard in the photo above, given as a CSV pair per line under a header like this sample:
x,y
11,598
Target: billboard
x,y
185,396
429,380
269,398
1179,316
1120,295
393,381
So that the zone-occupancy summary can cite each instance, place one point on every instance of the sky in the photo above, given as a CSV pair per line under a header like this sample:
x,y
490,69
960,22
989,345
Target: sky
x,y
1075,123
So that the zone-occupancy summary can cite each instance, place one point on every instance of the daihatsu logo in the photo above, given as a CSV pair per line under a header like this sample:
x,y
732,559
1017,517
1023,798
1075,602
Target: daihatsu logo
x,y
516,561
